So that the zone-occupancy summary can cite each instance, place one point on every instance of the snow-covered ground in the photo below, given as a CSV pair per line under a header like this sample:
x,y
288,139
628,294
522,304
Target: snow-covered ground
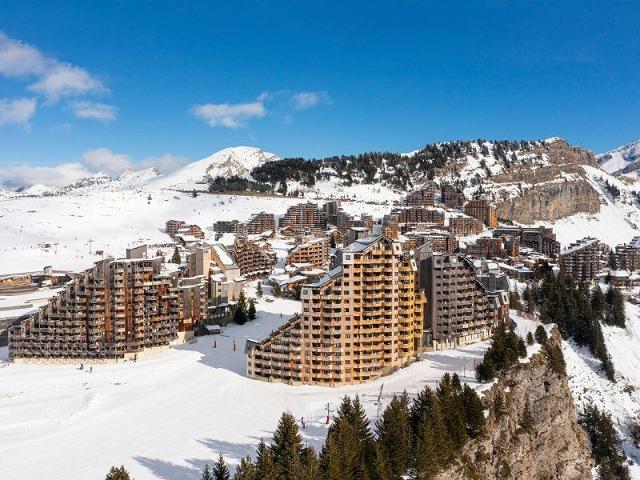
x,y
116,219
164,417
590,387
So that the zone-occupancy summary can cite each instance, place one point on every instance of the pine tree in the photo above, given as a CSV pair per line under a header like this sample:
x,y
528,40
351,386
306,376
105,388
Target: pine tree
x,y
522,348
597,301
310,464
251,312
206,473
473,411
530,340
605,444
425,464
526,420
265,468
286,448
541,334
240,312
246,470
259,290
427,403
176,256
220,469
514,300
499,407
530,299
394,437
194,194
118,473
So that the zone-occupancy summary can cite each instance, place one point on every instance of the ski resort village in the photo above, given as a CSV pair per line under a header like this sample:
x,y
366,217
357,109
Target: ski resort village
x,y
421,315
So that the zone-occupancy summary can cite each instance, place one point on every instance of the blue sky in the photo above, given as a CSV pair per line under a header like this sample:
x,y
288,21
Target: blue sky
x,y
110,84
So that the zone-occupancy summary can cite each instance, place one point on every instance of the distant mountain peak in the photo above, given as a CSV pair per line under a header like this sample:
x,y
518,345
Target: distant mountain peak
x,y
621,160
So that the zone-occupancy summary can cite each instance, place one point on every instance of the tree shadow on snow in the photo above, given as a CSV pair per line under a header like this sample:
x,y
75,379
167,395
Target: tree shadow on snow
x,y
192,470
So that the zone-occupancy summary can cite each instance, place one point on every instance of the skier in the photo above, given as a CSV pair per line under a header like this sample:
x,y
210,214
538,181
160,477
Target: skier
x,y
81,366
90,369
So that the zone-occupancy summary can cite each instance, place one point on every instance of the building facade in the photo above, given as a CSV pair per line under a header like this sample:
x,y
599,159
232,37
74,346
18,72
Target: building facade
x,y
363,320
116,309
582,260
483,211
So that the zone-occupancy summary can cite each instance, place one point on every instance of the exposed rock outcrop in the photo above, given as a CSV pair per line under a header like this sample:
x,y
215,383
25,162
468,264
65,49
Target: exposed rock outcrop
x,y
551,201
555,448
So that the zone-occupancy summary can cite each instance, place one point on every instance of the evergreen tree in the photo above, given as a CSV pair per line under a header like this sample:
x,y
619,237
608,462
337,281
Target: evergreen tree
x,y
246,470
349,451
522,348
310,464
394,437
541,334
473,411
597,301
220,469
251,312
240,312
425,464
118,473
613,261
427,404
605,444
526,420
286,448
206,473
499,407
530,340
265,468
194,194
530,299
259,290
615,314
176,256
514,300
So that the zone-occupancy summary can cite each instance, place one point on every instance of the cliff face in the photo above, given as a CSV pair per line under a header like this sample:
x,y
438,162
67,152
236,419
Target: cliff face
x,y
556,448
551,201
550,192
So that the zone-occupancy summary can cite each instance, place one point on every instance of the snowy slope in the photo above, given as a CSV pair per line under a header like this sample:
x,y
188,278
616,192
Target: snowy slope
x,y
590,386
164,417
233,161
621,158
617,222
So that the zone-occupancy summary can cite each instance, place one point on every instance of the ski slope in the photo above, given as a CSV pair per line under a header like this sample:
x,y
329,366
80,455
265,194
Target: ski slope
x,y
164,417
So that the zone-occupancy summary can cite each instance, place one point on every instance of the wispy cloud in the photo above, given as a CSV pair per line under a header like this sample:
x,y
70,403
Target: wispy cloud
x,y
17,111
305,100
230,115
94,110
53,79
280,103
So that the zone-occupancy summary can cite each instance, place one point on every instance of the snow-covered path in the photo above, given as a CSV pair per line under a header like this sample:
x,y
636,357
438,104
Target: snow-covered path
x,y
166,416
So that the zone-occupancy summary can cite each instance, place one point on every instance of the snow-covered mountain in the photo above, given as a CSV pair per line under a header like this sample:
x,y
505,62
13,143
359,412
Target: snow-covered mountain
x,y
622,160
229,162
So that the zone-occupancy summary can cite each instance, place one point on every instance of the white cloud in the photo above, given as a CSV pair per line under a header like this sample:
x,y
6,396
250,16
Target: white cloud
x,y
18,59
54,79
93,110
230,115
305,100
17,111
104,160
59,175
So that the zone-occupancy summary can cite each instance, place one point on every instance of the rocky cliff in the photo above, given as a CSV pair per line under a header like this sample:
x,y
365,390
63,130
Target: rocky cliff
x,y
555,446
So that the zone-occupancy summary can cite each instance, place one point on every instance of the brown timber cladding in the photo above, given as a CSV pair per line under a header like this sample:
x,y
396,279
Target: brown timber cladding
x,y
362,321
116,307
